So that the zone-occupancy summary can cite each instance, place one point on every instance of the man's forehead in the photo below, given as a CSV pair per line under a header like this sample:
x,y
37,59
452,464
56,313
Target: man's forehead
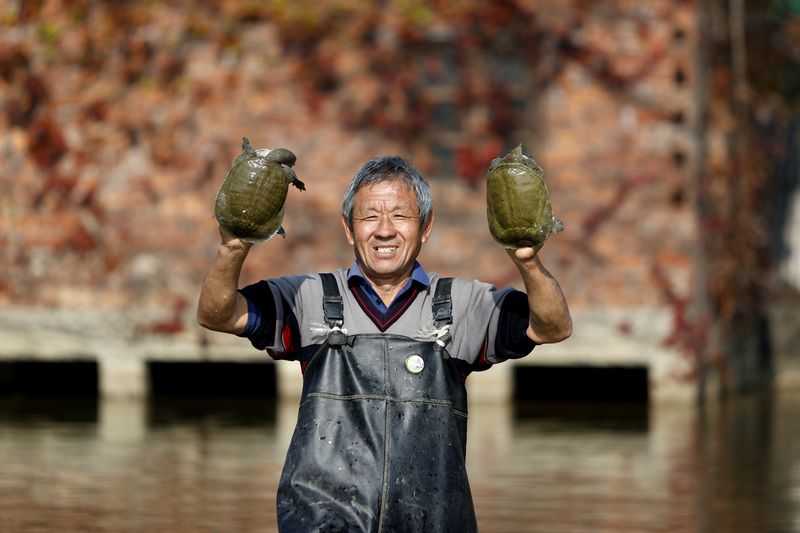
x,y
392,195
385,205
394,183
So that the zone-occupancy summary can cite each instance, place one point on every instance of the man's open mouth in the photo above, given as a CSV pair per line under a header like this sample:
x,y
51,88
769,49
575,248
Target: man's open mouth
x,y
384,249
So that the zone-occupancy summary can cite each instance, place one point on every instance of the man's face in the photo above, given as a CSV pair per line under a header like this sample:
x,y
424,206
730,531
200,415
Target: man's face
x,y
386,234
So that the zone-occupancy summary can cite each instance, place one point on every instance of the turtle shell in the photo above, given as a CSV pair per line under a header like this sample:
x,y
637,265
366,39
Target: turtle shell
x,y
518,203
252,199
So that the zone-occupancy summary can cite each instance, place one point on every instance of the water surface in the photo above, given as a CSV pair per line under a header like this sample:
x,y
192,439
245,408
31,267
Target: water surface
x,y
213,465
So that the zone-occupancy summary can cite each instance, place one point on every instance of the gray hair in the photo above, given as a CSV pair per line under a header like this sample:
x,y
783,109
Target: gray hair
x,y
389,168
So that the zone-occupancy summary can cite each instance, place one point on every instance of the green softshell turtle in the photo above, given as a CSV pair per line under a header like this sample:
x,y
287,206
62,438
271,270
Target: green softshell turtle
x,y
518,203
251,201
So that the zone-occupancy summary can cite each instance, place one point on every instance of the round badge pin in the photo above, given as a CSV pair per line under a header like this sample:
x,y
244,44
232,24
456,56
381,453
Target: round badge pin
x,y
415,364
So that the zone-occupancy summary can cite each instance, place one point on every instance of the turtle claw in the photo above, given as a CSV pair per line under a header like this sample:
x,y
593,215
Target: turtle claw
x,y
299,184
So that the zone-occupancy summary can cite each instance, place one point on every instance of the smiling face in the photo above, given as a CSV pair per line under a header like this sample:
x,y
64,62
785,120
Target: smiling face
x,y
386,234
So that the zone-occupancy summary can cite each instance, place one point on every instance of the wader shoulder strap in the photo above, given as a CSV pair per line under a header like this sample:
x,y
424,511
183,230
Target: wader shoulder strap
x,y
442,305
331,300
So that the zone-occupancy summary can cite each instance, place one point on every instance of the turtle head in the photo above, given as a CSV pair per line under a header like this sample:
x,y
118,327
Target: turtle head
x,y
283,156
516,157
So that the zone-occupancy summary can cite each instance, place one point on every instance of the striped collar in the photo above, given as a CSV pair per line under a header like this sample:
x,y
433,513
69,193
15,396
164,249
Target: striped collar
x,y
371,302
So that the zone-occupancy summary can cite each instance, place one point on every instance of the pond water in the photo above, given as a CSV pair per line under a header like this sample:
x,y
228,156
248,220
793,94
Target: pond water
x,y
213,465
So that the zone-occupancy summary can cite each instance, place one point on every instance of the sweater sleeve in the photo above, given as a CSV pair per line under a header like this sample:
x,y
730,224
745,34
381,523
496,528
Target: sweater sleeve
x,y
489,324
274,312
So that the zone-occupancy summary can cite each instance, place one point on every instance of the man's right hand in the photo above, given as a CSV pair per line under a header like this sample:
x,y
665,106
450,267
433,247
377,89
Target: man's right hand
x,y
232,242
221,307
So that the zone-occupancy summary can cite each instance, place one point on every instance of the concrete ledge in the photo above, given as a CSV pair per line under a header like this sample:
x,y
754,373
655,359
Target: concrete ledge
x,y
601,338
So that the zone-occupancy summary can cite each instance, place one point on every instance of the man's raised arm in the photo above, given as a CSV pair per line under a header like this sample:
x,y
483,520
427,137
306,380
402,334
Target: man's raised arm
x,y
550,320
220,306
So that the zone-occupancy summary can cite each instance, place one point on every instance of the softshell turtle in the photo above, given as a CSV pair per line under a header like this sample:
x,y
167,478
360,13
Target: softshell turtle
x,y
251,201
518,203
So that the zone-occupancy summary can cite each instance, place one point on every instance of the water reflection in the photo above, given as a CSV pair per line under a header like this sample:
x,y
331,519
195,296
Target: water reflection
x,y
213,465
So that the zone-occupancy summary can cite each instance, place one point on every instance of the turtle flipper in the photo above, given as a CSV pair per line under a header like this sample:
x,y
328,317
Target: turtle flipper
x,y
299,184
247,152
291,177
246,148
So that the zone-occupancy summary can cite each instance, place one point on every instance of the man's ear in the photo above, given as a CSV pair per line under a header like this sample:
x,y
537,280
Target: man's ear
x,y
426,232
347,232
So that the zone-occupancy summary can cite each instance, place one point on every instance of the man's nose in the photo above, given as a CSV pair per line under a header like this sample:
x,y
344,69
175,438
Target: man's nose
x,y
385,226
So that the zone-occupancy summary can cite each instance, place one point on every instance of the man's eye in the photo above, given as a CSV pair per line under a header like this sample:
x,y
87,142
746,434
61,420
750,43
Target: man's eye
x,y
370,218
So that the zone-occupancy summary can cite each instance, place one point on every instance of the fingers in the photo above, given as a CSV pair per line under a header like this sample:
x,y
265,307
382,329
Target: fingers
x,y
524,254
231,241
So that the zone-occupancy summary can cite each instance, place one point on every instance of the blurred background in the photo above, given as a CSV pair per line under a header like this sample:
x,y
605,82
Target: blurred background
x,y
668,132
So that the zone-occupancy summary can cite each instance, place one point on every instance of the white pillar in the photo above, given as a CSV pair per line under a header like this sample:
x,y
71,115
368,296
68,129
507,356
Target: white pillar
x,y
123,376
790,266
289,380
495,385
123,419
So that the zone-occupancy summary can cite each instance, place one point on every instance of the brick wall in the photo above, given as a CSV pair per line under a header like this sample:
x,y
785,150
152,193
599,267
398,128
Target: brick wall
x,y
119,124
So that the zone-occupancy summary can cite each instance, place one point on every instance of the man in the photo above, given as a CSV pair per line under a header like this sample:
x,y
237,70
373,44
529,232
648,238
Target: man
x,y
385,348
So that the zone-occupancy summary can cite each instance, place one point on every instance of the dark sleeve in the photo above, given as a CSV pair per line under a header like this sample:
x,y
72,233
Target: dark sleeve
x,y
261,315
511,341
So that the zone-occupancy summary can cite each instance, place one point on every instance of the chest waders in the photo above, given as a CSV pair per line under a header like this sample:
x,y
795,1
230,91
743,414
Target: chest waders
x,y
380,440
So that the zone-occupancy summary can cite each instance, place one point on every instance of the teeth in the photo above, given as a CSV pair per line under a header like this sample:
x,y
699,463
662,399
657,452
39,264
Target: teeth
x,y
386,248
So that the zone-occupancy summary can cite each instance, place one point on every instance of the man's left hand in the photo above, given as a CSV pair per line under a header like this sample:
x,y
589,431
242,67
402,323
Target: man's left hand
x,y
523,254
